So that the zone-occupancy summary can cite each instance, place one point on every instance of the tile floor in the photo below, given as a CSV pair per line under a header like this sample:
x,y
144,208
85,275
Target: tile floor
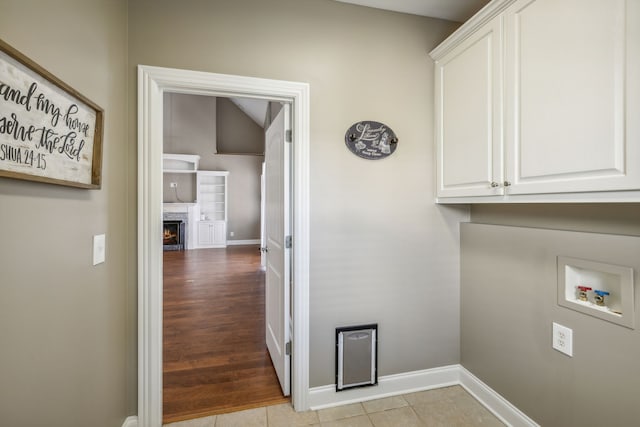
x,y
444,407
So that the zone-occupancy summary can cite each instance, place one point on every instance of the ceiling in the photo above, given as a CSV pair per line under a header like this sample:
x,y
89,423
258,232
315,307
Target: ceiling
x,y
452,10
254,108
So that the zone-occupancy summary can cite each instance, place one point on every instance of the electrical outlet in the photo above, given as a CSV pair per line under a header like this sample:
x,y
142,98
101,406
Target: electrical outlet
x,y
173,184
231,234
563,339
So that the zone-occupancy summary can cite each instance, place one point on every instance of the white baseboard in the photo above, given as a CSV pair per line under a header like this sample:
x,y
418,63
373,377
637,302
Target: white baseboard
x,y
501,407
130,422
389,385
410,382
243,242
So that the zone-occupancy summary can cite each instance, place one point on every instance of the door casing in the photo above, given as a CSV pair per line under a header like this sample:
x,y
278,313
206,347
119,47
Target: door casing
x,y
152,83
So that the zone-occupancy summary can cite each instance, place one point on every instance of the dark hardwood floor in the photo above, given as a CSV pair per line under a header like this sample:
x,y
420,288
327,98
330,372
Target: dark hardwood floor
x,y
214,353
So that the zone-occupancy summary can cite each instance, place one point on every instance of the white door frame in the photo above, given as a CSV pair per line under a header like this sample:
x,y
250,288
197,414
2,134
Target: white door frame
x,y
152,83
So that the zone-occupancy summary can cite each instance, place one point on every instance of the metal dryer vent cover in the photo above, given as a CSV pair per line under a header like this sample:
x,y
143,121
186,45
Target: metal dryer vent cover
x,y
356,356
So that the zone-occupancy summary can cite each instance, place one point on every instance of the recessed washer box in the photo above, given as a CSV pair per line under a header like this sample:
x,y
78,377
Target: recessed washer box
x,y
616,280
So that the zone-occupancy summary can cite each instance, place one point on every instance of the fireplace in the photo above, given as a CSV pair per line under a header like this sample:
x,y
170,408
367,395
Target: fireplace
x,y
173,238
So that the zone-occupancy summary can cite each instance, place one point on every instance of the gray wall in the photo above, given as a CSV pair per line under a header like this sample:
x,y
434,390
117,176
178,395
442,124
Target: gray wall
x,y
500,266
381,250
237,132
509,301
191,123
614,218
63,322
185,192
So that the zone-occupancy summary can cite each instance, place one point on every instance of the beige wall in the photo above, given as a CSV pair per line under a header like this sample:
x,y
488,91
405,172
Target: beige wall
x,y
381,250
63,322
509,301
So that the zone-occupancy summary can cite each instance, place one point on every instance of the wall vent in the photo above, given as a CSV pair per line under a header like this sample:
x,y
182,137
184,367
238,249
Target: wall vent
x,y
356,356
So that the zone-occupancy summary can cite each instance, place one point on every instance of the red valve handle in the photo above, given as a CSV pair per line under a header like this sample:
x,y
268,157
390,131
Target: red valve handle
x,y
584,288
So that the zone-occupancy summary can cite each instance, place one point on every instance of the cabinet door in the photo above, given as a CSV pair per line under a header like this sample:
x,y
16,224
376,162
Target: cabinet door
x,y
569,67
219,233
469,115
205,233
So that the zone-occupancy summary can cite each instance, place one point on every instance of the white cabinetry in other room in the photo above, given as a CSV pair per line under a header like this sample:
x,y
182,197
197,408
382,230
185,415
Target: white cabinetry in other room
x,y
212,201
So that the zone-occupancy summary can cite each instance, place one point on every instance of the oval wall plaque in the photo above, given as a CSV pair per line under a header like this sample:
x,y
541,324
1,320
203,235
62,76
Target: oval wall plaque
x,y
371,140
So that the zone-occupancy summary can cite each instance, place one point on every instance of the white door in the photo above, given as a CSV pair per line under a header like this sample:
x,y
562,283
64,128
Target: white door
x,y
219,237
263,238
277,228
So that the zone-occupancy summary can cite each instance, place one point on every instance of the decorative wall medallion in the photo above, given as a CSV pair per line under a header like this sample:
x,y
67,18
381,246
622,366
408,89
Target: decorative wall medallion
x,y
371,140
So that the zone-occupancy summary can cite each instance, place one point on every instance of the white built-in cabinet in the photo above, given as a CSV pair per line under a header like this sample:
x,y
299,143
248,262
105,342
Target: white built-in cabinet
x,y
538,100
212,202
212,234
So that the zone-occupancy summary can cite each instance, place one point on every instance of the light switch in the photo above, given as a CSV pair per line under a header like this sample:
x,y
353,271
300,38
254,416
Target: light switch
x,y
98,249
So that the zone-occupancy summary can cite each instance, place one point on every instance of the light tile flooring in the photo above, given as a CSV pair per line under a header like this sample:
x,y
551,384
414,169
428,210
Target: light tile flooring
x,y
444,407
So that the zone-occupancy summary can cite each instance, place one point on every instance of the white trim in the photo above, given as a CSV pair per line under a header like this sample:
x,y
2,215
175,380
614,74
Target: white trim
x,y
389,385
152,83
130,422
484,15
498,405
586,197
429,379
243,242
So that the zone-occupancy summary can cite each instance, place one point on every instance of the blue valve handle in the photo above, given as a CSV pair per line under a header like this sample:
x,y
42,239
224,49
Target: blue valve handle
x,y
601,293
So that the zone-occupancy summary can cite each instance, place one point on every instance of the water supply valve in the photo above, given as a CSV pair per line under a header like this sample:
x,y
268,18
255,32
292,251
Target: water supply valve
x,y
599,298
582,292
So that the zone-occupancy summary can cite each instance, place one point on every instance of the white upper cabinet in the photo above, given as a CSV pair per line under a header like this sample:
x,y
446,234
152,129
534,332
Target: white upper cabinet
x,y
469,115
565,92
570,84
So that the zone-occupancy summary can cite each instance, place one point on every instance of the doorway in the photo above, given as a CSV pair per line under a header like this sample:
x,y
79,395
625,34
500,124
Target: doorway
x,y
152,83
215,357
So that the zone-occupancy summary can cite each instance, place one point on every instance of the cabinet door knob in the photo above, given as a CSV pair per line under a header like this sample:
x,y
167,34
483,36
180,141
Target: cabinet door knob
x,y
507,184
494,184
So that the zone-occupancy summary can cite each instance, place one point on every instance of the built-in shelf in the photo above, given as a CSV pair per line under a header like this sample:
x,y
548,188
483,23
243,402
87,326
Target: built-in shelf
x,y
598,289
180,163
212,200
